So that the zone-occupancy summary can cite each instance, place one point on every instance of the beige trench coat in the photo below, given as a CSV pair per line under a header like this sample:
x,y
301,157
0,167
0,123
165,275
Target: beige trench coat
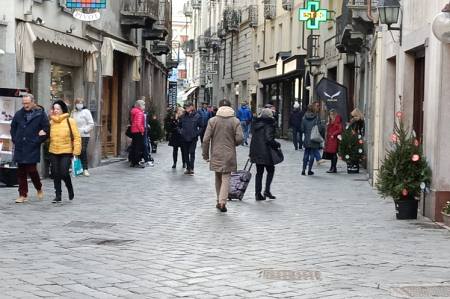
x,y
222,135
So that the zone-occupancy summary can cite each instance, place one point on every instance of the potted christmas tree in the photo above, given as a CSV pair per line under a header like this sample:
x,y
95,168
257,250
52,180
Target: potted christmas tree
x,y
405,172
446,214
351,149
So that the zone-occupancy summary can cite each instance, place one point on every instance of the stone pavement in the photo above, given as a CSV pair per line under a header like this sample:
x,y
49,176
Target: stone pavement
x,y
155,233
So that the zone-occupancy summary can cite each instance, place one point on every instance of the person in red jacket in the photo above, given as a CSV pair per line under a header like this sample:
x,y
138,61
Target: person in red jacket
x,y
137,119
334,129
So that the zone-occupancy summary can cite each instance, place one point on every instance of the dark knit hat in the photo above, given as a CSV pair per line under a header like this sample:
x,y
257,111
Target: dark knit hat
x,y
62,105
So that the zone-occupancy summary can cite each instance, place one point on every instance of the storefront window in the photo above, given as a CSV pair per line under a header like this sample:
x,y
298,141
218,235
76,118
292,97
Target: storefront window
x,y
62,83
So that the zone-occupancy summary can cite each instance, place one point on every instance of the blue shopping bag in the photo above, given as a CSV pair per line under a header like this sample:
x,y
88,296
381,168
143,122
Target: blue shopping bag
x,y
77,168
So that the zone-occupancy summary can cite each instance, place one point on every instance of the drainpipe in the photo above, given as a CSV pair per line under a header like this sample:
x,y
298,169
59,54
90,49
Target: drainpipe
x,y
369,10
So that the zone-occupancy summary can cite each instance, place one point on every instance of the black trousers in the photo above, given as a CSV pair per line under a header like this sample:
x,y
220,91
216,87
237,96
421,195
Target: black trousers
x,y
60,171
334,160
188,150
137,148
84,154
175,154
259,176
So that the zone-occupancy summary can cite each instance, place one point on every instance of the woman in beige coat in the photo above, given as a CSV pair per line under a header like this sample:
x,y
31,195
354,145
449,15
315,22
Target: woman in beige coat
x,y
222,135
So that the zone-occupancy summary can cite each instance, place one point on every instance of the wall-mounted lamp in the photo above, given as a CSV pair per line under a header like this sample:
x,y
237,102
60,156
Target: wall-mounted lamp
x,y
441,25
388,11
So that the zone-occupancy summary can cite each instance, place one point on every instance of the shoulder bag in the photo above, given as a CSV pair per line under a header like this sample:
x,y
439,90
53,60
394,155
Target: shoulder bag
x,y
315,134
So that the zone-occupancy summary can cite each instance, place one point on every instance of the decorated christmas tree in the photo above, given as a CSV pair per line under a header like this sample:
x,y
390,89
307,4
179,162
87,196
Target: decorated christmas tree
x,y
351,147
405,171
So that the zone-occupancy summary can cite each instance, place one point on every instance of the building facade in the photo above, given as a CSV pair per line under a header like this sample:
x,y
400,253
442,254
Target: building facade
x,y
110,62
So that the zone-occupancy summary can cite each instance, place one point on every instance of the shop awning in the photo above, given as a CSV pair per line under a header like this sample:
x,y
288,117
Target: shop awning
x,y
28,33
108,47
188,92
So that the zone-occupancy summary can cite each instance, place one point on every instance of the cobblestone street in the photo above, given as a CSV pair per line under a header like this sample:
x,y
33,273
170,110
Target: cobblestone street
x,y
155,233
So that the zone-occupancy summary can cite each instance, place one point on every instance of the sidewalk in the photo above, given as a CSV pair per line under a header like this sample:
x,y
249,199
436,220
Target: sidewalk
x,y
155,233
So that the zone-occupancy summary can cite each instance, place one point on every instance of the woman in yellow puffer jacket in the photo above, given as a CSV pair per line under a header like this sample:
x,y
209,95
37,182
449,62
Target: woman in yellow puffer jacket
x,y
65,142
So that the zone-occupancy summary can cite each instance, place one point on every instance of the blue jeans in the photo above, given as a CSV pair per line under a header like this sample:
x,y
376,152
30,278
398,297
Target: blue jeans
x,y
246,129
297,138
317,155
308,157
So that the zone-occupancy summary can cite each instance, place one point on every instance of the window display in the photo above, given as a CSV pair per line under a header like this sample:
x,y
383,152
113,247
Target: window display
x,y
7,110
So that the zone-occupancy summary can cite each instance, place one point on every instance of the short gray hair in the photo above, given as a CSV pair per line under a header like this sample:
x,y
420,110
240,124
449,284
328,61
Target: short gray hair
x,y
139,103
28,95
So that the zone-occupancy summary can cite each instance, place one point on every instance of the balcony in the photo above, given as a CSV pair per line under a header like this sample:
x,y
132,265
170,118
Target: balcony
x,y
202,42
221,32
160,47
187,10
253,16
196,4
189,47
139,13
287,4
171,63
270,9
163,26
232,19
347,39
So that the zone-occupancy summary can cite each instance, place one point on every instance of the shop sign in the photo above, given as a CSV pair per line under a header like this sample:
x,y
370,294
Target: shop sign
x,y
86,5
86,17
313,15
172,95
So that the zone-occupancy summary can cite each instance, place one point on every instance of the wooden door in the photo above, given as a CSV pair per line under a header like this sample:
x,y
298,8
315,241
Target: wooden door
x,y
110,117
419,94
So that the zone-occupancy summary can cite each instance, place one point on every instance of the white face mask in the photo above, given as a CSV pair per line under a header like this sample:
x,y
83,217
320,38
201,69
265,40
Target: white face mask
x,y
79,106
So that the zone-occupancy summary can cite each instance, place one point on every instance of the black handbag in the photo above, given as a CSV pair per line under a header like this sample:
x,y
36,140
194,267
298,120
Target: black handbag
x,y
128,132
277,155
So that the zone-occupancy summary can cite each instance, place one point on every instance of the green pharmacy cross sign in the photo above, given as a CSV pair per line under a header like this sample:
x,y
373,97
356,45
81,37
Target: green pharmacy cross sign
x,y
313,15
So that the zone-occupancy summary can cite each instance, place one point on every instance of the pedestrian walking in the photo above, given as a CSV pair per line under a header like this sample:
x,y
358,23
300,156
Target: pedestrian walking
x,y
245,116
222,135
205,115
137,118
334,129
65,142
175,139
29,129
189,127
85,124
263,139
312,146
295,122
357,122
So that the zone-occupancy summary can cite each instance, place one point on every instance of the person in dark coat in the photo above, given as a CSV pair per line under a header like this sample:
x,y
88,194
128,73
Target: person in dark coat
x,y
295,122
29,129
334,129
263,137
190,126
205,115
175,139
357,122
310,120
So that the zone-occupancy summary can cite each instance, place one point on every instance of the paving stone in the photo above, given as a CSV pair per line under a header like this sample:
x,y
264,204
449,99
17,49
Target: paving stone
x,y
180,245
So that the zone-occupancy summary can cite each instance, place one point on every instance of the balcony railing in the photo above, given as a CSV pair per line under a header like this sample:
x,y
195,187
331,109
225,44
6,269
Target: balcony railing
x,y
140,8
189,47
253,15
361,3
270,7
221,32
160,48
232,19
187,10
196,4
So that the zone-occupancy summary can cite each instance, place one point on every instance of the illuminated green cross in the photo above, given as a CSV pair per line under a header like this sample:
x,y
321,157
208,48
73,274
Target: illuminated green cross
x,y
313,15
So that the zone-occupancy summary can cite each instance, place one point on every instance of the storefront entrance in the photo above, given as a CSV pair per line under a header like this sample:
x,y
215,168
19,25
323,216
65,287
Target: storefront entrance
x,y
62,83
111,103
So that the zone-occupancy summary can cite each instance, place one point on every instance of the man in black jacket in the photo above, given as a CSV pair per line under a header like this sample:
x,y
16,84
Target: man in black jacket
x,y
190,126
295,122
29,129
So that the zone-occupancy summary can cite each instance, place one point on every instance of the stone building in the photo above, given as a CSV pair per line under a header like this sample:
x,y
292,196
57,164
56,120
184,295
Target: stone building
x,y
110,62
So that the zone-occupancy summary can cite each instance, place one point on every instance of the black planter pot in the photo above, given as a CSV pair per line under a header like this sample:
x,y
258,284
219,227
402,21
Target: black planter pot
x,y
8,176
406,208
154,147
352,168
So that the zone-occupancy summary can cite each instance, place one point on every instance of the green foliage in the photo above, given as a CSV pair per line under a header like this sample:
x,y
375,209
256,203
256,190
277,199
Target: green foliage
x,y
351,147
404,171
446,209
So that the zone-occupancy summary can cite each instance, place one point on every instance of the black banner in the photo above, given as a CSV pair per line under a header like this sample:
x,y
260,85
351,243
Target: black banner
x,y
172,95
334,95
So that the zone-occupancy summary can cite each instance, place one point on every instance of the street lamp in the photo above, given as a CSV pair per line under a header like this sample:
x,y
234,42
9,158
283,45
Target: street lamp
x,y
441,25
388,11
